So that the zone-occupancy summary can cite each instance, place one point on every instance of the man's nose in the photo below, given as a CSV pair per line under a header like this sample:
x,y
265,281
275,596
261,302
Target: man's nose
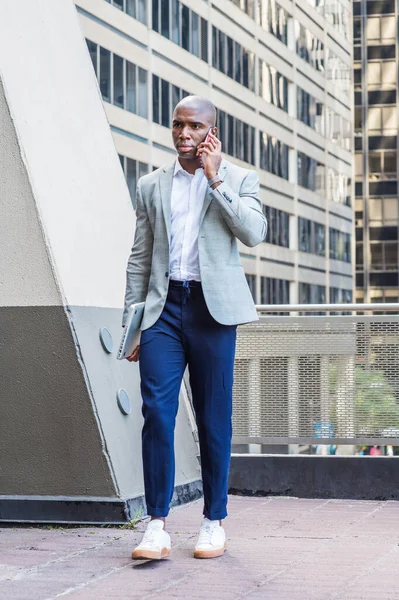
x,y
185,133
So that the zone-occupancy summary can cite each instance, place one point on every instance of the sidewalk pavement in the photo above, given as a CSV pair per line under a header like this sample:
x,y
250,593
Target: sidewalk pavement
x,y
278,548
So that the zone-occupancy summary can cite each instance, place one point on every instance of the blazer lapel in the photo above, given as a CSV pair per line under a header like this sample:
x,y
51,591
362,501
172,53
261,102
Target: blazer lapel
x,y
208,197
165,188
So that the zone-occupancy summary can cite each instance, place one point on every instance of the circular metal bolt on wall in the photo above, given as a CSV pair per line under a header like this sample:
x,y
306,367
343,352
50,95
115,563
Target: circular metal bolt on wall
x,y
124,402
106,340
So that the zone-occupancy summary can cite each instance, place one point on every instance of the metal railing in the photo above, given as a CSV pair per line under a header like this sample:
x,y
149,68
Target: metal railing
x,y
327,379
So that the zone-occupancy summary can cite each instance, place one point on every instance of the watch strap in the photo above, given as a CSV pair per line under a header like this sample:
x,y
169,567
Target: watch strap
x,y
215,179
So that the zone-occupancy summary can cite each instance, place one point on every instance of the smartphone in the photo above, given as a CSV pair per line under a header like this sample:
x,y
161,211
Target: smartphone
x,y
205,140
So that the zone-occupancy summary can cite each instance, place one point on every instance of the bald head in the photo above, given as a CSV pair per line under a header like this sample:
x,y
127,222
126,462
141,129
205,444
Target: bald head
x,y
200,105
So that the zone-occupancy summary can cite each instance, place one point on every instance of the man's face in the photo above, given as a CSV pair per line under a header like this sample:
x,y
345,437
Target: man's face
x,y
189,128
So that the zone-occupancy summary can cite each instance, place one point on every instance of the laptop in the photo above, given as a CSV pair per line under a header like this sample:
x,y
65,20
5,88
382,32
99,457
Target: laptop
x,y
131,332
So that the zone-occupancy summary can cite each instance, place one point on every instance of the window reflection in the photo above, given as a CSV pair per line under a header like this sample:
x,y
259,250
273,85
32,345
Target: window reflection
x,y
273,18
273,155
273,87
309,47
310,173
238,138
232,59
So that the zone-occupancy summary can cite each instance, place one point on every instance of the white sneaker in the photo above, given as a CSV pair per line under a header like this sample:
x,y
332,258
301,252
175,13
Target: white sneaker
x,y
155,543
211,541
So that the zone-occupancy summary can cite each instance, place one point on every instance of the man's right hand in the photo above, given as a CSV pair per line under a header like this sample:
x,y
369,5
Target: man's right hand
x,y
135,355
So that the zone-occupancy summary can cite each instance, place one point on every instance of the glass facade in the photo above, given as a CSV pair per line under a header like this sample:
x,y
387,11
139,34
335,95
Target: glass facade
x,y
310,111
178,23
278,226
310,173
121,82
311,294
229,57
273,87
273,18
135,8
133,170
274,291
309,47
238,138
340,245
376,150
273,155
165,96
311,237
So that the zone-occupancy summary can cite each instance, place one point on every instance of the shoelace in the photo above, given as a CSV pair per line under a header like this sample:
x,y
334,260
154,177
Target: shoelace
x,y
206,533
149,536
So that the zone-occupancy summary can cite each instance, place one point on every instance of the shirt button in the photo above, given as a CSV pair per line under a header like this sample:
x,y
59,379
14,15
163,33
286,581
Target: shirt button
x,y
167,274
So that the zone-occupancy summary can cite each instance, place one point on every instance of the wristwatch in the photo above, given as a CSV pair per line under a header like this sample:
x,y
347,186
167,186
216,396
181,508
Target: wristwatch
x,y
215,179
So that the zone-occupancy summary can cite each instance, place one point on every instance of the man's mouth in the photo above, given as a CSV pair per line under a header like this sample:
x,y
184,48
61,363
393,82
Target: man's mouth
x,y
185,147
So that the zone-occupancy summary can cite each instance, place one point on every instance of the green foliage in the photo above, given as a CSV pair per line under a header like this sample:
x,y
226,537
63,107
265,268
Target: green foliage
x,y
136,518
376,407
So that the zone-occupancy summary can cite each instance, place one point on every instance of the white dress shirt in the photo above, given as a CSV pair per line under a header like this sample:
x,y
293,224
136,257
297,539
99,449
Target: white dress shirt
x,y
188,194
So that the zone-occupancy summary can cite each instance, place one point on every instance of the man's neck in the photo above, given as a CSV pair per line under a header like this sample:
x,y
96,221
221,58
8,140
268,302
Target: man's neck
x,y
189,165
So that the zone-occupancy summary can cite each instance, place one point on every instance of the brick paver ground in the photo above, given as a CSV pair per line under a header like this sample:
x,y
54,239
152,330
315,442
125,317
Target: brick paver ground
x,y
278,548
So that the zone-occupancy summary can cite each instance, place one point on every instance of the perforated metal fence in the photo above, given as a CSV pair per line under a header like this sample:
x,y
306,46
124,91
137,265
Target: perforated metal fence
x,y
330,379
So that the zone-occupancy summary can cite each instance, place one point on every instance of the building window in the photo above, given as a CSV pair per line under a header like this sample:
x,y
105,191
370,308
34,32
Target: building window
x,y
339,74
338,296
247,6
385,52
310,111
165,96
181,25
310,173
339,130
339,187
311,237
340,245
238,138
384,256
135,8
251,280
309,47
379,7
278,226
104,74
273,155
273,87
382,165
383,211
133,170
232,59
338,15
128,88
381,74
274,291
311,294
273,18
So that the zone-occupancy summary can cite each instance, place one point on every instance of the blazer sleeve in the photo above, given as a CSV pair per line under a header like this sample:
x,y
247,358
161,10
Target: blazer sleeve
x,y
139,263
242,211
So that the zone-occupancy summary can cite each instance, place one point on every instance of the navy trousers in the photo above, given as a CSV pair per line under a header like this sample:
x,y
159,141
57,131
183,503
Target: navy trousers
x,y
186,333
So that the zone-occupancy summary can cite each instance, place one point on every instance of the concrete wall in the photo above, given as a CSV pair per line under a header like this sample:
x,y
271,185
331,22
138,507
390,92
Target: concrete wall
x,y
66,226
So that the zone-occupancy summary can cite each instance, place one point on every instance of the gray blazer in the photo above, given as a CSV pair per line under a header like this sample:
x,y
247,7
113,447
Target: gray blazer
x,y
232,211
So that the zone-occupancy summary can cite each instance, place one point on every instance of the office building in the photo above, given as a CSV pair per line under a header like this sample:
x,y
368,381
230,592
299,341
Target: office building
x,y
280,76
375,39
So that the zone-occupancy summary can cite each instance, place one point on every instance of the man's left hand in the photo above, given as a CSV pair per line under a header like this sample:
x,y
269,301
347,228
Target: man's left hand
x,y
211,155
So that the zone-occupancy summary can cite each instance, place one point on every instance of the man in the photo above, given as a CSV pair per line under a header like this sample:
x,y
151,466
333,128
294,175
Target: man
x,y
185,265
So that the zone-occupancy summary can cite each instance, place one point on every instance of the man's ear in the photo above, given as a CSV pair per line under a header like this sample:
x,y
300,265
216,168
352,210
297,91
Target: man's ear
x,y
215,131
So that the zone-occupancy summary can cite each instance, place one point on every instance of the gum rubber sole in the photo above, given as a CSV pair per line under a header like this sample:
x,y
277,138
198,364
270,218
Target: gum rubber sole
x,y
209,553
150,554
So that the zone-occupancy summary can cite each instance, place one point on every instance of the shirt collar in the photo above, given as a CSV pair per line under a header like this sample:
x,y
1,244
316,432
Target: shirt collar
x,y
178,168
